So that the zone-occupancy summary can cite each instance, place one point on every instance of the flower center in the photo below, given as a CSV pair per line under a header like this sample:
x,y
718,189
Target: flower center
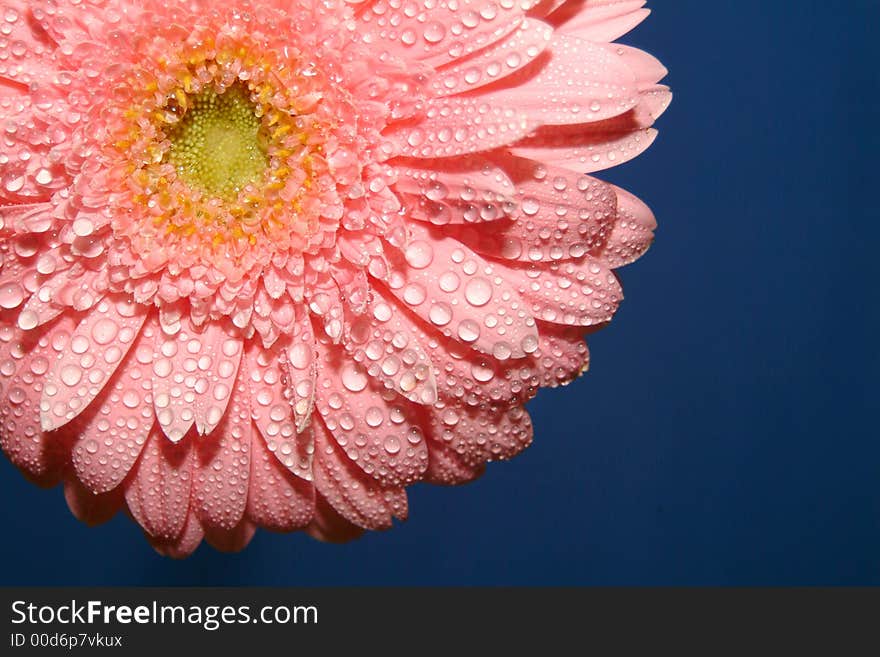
x,y
219,155
218,144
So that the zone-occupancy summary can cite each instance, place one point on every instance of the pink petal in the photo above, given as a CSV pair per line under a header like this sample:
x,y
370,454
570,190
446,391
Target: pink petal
x,y
26,217
158,492
302,371
78,287
354,290
113,432
574,292
494,62
647,68
599,20
587,148
97,347
462,296
25,359
272,412
277,500
390,351
88,507
356,497
544,8
231,540
575,81
182,545
218,375
561,215
655,100
64,288
459,372
328,526
633,232
482,434
462,125
223,466
38,177
469,378
24,25
474,190
590,152
38,311
396,500
16,281
54,22
325,304
378,430
448,468
173,411
441,33
206,364
562,355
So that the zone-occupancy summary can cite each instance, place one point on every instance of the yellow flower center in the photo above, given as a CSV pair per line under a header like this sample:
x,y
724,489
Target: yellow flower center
x,y
218,174
218,144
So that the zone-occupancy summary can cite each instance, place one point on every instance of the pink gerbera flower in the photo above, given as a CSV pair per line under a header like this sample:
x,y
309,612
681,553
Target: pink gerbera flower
x,y
268,262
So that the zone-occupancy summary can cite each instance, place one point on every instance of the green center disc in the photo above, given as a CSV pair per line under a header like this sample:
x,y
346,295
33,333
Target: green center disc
x,y
216,146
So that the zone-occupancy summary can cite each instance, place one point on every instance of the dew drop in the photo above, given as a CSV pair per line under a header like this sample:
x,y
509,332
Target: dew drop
x,y
419,254
482,373
440,314
414,294
502,350
299,356
478,291
71,375
353,379
11,295
449,282
28,320
373,417
530,206
468,330
105,331
434,32
16,395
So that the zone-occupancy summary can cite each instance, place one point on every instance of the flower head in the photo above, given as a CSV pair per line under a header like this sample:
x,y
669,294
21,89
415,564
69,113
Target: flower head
x,y
268,263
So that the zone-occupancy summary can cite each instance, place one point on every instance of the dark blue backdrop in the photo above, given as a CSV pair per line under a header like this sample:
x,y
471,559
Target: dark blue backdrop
x,y
727,433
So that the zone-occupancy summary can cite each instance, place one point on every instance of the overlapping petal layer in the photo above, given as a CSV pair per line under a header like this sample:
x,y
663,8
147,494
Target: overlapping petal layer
x,y
418,247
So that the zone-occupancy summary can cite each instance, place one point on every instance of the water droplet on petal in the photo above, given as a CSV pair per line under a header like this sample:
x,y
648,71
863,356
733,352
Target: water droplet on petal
x,y
434,32
71,375
440,314
11,295
419,254
105,331
478,291
353,379
392,445
530,206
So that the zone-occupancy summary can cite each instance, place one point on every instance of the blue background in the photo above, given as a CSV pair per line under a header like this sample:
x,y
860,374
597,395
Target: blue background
x,y
727,433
